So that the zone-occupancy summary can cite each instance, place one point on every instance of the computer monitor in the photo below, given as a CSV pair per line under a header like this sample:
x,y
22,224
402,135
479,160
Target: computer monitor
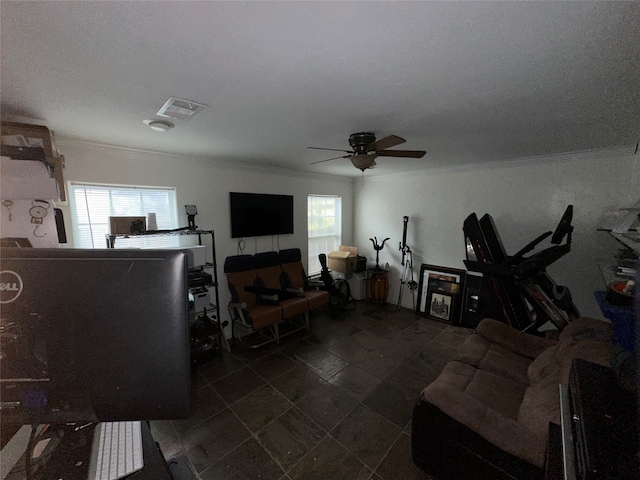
x,y
93,335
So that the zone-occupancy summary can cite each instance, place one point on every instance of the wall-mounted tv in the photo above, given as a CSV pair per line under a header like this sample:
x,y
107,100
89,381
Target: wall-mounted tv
x,y
258,214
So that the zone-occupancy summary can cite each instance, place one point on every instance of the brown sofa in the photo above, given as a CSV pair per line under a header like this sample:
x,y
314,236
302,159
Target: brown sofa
x,y
487,414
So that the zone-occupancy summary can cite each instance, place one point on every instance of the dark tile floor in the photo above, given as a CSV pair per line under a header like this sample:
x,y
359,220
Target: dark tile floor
x,y
334,403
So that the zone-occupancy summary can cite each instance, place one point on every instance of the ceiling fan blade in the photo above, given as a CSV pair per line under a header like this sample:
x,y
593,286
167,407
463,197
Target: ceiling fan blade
x,y
402,153
333,149
386,142
334,158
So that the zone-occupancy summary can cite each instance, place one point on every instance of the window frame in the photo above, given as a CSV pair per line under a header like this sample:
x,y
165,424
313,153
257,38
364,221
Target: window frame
x,y
313,265
168,221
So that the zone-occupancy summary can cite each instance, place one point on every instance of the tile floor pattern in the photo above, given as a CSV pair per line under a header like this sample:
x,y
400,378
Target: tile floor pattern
x,y
334,403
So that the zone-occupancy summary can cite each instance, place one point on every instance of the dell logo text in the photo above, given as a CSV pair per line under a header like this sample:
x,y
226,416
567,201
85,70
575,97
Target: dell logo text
x,y
10,286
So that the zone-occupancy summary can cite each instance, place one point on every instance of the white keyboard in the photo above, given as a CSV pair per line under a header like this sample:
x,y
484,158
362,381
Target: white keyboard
x,y
116,450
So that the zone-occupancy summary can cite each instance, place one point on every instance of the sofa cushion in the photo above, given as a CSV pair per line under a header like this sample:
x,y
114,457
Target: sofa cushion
x,y
498,393
479,352
508,337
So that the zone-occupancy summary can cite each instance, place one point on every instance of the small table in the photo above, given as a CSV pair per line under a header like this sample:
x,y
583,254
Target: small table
x,y
378,283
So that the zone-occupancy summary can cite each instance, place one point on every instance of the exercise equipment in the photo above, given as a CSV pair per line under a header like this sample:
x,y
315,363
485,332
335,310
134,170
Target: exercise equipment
x,y
339,290
525,294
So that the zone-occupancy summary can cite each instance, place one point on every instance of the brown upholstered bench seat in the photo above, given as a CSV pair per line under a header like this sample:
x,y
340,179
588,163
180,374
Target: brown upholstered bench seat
x,y
263,296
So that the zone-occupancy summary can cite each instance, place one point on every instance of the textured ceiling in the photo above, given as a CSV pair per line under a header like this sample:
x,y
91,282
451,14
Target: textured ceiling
x,y
467,81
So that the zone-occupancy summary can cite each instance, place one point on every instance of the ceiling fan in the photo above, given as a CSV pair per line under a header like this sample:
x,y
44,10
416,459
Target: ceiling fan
x,y
366,149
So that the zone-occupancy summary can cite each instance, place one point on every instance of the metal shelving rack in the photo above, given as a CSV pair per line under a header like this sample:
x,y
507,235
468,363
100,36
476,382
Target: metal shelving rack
x,y
213,310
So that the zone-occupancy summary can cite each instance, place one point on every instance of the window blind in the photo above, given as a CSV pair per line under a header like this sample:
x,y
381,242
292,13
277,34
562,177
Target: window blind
x,y
324,218
92,205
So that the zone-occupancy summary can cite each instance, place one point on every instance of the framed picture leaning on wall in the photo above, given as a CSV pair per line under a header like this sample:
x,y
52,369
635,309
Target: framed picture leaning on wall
x,y
440,306
440,293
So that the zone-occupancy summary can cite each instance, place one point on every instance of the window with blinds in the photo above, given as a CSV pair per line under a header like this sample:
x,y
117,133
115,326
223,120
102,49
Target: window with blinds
x,y
324,218
92,205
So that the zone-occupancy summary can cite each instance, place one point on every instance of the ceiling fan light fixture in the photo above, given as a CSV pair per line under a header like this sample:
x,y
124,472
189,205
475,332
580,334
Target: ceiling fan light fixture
x,y
159,125
366,149
363,161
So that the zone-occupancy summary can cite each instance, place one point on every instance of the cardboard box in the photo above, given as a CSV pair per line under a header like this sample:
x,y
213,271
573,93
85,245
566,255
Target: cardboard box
x,y
26,135
127,225
344,260
58,174
26,179
18,188
30,163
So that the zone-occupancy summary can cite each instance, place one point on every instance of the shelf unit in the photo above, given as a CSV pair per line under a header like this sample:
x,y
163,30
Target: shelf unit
x,y
623,267
629,239
203,333
624,225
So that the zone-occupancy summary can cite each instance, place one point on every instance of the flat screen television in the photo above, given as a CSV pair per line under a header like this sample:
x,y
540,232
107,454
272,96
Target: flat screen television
x,y
258,214
93,335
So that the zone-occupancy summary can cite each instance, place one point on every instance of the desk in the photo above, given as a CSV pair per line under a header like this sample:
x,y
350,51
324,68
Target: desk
x,y
70,461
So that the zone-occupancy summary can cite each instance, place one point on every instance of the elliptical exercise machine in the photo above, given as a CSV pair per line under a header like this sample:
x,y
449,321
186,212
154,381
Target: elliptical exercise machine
x,y
525,294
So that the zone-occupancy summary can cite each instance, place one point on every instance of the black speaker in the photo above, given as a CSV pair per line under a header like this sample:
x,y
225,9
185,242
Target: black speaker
x,y
62,232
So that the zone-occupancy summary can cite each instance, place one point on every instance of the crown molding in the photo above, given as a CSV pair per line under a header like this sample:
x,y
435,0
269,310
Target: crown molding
x,y
226,164
593,154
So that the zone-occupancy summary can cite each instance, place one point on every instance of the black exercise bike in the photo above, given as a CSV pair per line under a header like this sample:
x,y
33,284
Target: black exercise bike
x,y
339,289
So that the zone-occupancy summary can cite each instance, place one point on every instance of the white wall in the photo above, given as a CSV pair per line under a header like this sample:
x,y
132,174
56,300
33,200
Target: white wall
x,y
205,183
525,198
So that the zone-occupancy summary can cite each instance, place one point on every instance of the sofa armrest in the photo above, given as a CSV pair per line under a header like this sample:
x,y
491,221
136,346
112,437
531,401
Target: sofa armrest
x,y
508,337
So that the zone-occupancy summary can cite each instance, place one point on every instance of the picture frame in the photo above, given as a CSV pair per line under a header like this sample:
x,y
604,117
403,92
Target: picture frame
x,y
441,280
440,306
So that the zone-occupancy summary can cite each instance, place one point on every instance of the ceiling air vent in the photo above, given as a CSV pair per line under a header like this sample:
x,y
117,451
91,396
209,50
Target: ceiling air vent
x,y
179,109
